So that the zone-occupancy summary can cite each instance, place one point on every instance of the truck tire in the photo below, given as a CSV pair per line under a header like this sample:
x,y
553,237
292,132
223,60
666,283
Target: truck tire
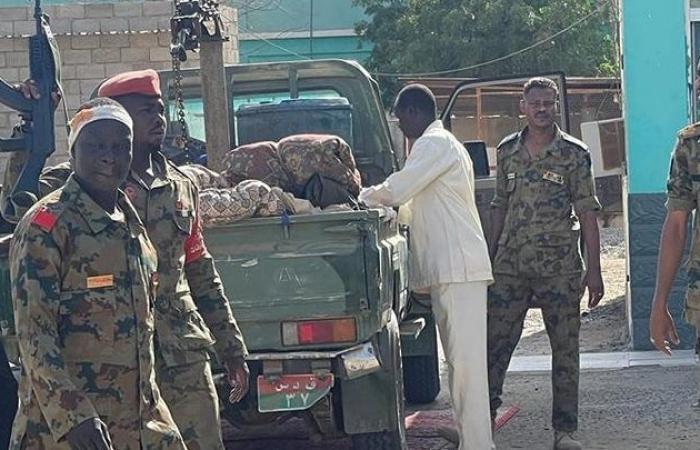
x,y
393,439
421,378
421,373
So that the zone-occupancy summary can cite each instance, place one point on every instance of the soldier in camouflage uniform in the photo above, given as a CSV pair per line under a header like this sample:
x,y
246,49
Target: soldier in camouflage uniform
x,y
683,192
193,315
84,280
544,185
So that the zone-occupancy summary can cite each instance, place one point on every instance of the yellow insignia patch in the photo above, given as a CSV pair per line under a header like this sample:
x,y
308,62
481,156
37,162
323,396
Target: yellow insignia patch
x,y
100,281
553,177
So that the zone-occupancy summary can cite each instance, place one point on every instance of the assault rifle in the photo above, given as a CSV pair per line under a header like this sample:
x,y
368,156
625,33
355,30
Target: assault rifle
x,y
37,135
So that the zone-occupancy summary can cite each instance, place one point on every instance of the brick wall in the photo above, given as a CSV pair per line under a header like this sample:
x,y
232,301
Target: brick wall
x,y
96,41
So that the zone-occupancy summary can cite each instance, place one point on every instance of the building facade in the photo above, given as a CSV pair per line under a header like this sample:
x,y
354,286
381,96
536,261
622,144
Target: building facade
x,y
660,50
283,30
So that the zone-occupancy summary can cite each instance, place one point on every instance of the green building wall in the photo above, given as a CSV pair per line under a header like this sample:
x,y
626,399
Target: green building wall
x,y
656,104
300,29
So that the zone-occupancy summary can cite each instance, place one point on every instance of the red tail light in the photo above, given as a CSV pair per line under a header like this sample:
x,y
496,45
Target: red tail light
x,y
319,331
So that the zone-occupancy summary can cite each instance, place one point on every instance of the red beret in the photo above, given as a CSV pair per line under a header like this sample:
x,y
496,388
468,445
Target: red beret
x,y
144,82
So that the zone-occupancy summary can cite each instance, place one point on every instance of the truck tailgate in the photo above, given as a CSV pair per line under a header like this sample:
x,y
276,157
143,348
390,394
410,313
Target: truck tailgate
x,y
298,267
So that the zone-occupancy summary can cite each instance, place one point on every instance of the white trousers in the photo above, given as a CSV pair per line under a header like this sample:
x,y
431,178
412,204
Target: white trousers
x,y
460,313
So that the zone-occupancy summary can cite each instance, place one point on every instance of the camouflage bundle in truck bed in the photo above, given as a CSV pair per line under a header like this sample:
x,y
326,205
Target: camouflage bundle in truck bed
x,y
205,178
292,162
250,198
258,161
305,155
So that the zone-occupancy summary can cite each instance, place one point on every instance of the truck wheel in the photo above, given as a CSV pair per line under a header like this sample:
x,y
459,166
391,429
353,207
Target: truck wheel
x,y
421,378
421,373
393,439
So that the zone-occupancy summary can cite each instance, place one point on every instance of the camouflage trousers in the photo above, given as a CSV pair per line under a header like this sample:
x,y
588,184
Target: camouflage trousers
x,y
191,396
509,300
8,400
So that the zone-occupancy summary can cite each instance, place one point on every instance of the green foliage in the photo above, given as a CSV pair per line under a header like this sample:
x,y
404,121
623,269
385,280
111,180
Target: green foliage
x,y
414,36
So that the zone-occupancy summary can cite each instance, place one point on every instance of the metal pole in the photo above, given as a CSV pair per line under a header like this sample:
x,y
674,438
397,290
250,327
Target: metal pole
x,y
214,90
311,29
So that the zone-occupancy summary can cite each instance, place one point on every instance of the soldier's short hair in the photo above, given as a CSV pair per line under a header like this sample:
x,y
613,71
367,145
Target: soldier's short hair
x,y
418,96
540,83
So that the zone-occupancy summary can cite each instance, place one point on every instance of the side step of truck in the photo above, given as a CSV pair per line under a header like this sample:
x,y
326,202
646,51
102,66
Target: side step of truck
x,y
412,327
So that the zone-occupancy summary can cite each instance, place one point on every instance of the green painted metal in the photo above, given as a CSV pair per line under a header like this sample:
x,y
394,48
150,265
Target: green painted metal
x,y
314,267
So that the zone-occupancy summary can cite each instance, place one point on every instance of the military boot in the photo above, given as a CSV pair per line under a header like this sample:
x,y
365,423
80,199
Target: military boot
x,y
564,440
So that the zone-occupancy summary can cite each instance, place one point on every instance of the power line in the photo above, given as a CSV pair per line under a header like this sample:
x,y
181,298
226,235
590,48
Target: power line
x,y
280,35
493,61
269,42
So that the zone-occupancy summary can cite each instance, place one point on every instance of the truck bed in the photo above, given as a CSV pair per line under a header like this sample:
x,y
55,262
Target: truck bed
x,y
304,267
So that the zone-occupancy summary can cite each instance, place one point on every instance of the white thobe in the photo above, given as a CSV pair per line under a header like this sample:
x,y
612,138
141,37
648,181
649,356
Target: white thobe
x,y
449,257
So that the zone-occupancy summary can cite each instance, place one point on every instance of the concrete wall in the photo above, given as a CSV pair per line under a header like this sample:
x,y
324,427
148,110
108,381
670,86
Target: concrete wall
x,y
96,41
656,104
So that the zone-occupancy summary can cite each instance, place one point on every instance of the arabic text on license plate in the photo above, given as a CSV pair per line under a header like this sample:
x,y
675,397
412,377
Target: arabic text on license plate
x,y
292,392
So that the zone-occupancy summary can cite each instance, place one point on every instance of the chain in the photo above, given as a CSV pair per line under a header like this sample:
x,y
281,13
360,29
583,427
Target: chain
x,y
182,140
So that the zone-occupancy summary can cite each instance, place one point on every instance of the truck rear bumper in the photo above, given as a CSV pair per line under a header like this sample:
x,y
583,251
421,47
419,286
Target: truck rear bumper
x,y
353,362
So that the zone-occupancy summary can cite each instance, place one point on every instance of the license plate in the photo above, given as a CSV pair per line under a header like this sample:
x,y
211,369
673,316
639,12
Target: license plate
x,y
292,392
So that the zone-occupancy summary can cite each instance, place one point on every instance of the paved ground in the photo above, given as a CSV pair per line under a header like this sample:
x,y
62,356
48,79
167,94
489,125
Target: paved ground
x,y
630,405
639,408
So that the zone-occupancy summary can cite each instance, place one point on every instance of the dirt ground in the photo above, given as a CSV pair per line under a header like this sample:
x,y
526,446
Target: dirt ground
x,y
647,408
642,408
604,328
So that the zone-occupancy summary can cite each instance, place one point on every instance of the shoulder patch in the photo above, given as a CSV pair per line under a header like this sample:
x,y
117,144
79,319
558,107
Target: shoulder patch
x,y
45,218
691,131
508,139
572,140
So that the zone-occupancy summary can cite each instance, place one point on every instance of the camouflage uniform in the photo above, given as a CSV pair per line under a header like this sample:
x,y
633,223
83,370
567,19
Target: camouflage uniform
x,y
84,283
193,316
538,263
683,192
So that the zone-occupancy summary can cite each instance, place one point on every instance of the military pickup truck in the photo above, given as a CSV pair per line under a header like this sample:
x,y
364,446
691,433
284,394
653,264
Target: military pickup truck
x,y
335,337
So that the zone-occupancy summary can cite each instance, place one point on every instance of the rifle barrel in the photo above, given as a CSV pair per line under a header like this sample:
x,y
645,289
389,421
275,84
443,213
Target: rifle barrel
x,y
37,15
